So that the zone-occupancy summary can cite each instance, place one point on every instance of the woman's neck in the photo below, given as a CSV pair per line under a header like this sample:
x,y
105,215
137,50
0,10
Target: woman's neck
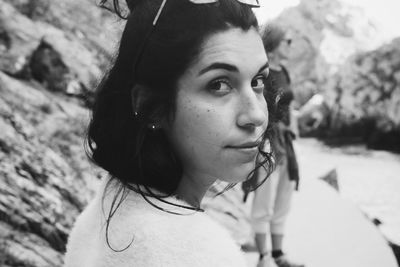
x,y
192,190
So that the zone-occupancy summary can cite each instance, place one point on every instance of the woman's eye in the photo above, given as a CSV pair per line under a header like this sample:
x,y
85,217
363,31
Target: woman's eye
x,y
220,87
258,83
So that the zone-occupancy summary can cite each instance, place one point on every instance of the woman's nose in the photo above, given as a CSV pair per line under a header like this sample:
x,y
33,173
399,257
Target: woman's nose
x,y
253,110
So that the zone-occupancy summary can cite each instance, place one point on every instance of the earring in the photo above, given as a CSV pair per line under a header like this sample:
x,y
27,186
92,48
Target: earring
x,y
154,127
137,99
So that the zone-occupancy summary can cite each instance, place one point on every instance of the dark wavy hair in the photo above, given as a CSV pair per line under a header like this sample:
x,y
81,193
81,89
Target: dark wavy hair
x,y
153,59
272,35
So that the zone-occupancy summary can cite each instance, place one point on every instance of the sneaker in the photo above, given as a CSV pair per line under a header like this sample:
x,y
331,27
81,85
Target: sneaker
x,y
283,261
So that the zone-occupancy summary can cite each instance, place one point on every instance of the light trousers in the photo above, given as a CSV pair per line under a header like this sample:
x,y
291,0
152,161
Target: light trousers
x,y
272,201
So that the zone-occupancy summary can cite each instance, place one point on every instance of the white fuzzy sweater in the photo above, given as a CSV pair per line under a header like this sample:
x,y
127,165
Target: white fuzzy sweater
x,y
159,238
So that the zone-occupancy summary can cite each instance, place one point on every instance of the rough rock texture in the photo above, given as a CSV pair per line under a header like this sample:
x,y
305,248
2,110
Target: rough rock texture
x,y
51,55
324,34
313,116
365,98
316,28
330,58
61,47
45,177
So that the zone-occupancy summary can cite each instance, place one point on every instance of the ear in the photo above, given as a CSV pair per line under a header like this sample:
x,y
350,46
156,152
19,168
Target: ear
x,y
145,105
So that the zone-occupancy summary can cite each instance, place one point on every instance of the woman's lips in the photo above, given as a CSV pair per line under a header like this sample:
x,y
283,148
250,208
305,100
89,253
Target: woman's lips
x,y
246,145
248,150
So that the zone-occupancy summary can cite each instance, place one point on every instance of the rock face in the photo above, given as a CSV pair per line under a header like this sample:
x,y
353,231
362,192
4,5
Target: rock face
x,y
365,98
324,34
51,55
45,178
329,58
67,58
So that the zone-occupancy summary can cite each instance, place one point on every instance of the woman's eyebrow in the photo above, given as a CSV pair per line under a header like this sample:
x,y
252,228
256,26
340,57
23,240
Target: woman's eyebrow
x,y
228,67
266,65
219,65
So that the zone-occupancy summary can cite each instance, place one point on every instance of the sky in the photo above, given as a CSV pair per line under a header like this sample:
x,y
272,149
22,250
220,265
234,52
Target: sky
x,y
383,13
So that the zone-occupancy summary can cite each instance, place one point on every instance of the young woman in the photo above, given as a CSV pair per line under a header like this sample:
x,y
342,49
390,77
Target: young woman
x,y
181,107
271,203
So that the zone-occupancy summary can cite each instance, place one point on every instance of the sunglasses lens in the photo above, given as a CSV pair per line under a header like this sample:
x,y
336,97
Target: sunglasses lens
x,y
203,1
252,3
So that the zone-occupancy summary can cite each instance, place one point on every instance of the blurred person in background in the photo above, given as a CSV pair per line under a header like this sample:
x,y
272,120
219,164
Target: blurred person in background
x,y
182,107
272,200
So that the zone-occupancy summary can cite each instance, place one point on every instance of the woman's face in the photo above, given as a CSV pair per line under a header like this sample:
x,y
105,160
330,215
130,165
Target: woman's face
x,y
221,113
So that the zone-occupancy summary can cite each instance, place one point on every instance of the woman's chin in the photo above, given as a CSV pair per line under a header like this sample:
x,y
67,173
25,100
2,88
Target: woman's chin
x,y
238,174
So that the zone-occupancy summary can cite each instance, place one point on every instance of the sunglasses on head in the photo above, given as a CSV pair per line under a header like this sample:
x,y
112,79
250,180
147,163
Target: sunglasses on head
x,y
252,3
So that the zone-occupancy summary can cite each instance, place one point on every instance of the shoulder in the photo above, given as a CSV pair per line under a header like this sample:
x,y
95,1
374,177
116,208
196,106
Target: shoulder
x,y
129,237
147,236
174,236
160,238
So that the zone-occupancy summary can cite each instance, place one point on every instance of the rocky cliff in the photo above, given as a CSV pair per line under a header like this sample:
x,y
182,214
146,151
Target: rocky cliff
x,y
324,34
365,98
51,55
336,55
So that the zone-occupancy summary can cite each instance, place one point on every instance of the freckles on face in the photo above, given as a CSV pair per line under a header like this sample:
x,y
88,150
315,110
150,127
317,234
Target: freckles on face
x,y
219,105
197,128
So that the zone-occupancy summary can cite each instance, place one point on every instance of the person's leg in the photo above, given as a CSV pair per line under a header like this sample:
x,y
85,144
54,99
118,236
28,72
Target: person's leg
x,y
284,193
261,213
261,243
282,203
276,240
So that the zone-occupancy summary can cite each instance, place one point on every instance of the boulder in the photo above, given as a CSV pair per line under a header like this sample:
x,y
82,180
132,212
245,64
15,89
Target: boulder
x,y
365,97
49,51
62,60
338,53
19,37
324,33
313,116
64,65
46,178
